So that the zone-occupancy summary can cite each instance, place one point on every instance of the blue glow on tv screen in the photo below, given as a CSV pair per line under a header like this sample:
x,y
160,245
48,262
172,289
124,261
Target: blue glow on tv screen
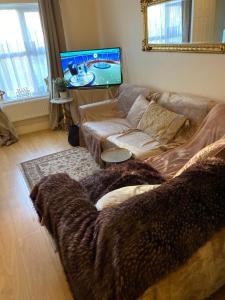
x,y
92,68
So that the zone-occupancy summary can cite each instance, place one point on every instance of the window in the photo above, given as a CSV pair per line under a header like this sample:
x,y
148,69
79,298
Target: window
x,y
23,63
169,22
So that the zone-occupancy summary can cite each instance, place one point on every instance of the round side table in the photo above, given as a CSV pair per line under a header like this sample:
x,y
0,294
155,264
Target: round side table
x,y
62,102
115,155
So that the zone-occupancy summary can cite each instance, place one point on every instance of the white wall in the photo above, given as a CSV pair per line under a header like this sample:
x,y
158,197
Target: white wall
x,y
80,23
122,25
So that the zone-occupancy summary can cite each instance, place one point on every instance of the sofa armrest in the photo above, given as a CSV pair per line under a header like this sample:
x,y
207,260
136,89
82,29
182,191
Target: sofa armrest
x,y
99,111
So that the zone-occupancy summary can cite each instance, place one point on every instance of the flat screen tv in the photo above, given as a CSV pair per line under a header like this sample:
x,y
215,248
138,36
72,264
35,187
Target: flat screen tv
x,y
92,68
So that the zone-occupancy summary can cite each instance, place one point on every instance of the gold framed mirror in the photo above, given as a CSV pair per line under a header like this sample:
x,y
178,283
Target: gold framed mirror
x,y
184,25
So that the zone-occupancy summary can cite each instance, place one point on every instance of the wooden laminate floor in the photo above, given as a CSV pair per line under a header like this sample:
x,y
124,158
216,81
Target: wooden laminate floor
x,y
29,267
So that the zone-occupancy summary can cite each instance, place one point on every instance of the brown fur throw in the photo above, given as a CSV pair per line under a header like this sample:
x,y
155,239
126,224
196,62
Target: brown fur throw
x,y
121,251
133,172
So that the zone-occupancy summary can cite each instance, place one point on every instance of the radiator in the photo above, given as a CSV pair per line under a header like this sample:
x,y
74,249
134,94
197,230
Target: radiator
x,y
25,110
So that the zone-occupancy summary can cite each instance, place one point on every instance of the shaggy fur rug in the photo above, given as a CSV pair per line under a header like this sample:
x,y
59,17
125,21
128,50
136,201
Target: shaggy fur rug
x,y
121,251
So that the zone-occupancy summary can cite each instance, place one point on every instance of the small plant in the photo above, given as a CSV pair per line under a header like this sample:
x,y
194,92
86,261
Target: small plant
x,y
61,84
2,93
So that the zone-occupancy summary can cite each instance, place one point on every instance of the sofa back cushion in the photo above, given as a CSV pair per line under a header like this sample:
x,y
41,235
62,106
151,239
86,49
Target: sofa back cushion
x,y
137,110
216,149
193,107
128,93
161,123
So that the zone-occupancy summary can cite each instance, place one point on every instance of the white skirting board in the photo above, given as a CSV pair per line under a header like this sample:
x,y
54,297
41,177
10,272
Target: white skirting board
x,y
32,125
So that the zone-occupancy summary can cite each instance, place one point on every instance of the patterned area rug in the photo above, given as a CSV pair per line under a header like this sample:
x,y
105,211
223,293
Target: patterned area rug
x,y
76,162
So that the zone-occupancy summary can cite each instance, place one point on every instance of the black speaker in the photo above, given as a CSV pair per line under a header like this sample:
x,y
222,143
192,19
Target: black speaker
x,y
73,137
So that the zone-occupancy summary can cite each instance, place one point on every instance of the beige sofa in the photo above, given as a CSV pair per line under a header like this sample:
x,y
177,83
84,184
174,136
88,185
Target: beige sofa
x,y
104,124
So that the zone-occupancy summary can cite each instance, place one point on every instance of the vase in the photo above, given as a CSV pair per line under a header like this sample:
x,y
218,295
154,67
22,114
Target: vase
x,y
63,95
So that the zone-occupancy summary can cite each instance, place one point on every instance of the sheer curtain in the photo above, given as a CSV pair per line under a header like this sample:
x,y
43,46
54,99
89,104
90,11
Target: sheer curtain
x,y
23,64
169,22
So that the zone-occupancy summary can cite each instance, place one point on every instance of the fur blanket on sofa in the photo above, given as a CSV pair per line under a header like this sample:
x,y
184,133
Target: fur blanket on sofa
x,y
133,172
121,251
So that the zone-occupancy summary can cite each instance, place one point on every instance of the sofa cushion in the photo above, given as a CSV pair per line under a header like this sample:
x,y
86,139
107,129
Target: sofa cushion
x,y
128,93
216,149
139,106
161,123
193,107
120,195
139,143
105,128
98,111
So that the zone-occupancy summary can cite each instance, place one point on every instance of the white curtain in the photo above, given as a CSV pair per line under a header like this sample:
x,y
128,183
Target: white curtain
x,y
166,22
23,64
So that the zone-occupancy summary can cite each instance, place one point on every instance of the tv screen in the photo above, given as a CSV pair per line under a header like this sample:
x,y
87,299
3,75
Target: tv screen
x,y
92,68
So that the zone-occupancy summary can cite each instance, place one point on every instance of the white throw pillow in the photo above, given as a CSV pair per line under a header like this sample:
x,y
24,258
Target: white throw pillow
x,y
128,93
137,110
120,195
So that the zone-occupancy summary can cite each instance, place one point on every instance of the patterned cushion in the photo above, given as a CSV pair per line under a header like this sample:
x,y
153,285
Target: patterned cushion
x,y
161,123
216,149
137,109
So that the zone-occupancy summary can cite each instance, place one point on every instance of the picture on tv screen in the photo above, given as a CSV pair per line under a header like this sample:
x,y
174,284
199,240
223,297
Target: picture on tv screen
x,y
92,68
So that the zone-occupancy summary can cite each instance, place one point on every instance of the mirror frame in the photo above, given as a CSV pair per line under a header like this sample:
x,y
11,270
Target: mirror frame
x,y
190,48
